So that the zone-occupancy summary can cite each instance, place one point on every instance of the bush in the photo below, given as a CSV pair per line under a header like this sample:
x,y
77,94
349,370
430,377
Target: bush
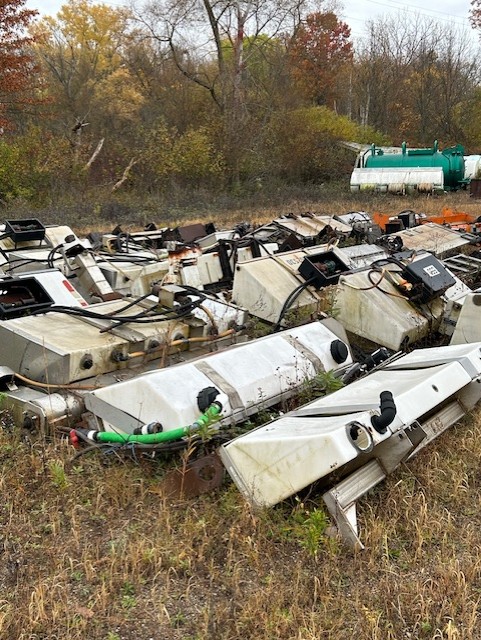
x,y
311,150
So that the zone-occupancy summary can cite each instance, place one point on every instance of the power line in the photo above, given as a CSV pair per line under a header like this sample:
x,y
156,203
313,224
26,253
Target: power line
x,y
423,13
444,13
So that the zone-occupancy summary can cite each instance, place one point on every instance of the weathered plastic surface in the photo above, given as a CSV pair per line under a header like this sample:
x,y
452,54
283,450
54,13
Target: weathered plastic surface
x,y
250,377
263,285
468,325
53,347
435,238
398,180
58,287
389,320
312,226
281,458
472,166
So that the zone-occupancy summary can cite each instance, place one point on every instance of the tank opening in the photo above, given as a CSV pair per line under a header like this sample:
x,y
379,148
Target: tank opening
x,y
360,437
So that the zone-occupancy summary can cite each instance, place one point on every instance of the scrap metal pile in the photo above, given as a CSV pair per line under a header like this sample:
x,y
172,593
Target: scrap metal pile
x,y
143,342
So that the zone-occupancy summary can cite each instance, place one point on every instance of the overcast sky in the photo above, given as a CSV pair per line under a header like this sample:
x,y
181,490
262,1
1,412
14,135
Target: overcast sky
x,y
356,12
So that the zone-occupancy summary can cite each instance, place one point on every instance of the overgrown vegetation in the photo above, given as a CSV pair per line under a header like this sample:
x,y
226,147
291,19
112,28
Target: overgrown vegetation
x,y
128,100
99,210
97,551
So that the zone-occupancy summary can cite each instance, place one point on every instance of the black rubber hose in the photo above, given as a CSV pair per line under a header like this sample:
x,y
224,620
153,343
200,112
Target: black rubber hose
x,y
291,298
388,411
51,255
140,318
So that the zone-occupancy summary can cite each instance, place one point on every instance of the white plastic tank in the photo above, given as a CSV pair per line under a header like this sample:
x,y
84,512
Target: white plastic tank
x,y
282,457
249,376
472,167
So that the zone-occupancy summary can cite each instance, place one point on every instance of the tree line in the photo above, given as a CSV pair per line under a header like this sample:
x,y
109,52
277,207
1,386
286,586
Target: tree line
x,y
219,95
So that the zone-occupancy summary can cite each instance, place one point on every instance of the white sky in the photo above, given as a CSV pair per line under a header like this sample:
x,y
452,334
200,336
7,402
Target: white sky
x,y
356,12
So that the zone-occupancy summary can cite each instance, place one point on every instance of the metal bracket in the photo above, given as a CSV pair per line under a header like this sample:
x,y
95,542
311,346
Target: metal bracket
x,y
341,500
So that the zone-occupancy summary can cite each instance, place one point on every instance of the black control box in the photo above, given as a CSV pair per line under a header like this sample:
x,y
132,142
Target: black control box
x,y
429,277
21,296
25,230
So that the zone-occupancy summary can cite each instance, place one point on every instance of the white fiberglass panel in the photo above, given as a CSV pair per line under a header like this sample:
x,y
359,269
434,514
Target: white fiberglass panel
x,y
254,374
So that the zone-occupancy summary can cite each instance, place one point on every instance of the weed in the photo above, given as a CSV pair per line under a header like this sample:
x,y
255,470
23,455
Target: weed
x,y
178,620
128,602
77,576
310,528
426,627
323,383
58,475
128,589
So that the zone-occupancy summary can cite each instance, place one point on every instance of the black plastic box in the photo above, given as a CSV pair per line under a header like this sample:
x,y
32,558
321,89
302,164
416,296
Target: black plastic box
x,y
25,230
429,277
20,296
325,268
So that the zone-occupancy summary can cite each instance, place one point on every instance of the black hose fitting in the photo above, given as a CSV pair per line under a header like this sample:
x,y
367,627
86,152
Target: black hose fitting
x,y
206,397
339,351
218,404
388,411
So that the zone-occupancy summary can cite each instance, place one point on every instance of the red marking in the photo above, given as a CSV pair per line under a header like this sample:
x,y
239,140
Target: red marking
x,y
68,285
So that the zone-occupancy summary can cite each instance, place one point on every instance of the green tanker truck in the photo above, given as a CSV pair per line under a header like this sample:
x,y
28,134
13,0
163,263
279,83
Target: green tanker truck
x,y
406,170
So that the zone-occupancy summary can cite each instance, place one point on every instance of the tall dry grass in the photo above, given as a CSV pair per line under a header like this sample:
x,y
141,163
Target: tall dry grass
x,y
97,551
99,211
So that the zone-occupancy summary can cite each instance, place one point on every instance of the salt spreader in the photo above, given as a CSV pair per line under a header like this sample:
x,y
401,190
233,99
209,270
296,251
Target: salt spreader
x,y
351,440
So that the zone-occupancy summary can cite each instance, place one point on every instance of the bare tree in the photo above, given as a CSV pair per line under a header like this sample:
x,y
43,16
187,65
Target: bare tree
x,y
414,73
207,38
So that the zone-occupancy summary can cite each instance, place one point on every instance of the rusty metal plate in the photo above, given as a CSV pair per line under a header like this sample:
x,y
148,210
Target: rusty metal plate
x,y
198,476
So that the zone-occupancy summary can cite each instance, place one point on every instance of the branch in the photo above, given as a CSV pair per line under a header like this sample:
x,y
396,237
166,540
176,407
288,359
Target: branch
x,y
125,175
94,154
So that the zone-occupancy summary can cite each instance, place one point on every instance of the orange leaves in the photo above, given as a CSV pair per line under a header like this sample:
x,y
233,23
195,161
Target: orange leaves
x,y
16,64
319,49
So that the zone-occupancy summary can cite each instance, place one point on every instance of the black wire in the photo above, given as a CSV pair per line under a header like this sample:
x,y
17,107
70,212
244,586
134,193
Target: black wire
x,y
390,259
133,258
51,255
132,303
176,312
291,298
23,262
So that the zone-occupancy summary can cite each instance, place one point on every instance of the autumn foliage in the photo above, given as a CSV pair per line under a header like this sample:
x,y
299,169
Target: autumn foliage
x,y
319,51
16,61
127,96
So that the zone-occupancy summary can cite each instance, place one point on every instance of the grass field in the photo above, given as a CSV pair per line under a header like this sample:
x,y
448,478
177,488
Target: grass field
x,y
97,551
93,550
98,211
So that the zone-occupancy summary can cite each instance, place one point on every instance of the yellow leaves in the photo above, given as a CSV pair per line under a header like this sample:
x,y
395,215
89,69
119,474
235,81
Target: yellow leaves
x,y
83,21
118,95
322,121
191,156
195,155
83,30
